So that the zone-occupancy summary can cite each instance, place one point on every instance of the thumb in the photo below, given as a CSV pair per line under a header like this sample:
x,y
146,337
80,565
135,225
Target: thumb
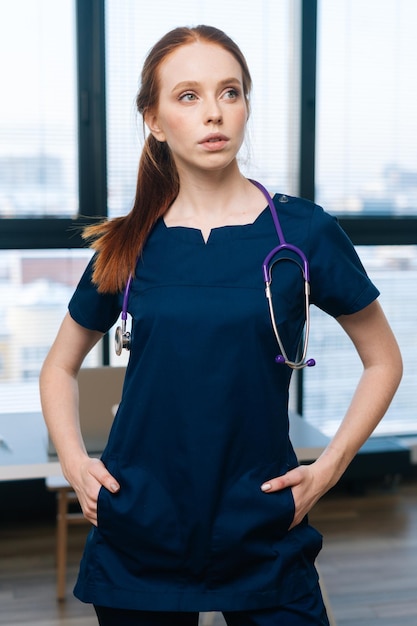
x,y
99,471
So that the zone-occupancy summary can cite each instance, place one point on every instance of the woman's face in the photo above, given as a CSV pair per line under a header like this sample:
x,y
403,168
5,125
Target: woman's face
x,y
202,111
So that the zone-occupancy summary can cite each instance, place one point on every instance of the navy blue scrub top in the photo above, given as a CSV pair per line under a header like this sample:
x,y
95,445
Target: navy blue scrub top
x,y
203,420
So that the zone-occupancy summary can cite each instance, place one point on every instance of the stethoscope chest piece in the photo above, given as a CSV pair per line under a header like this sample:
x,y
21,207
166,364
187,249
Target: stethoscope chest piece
x,y
122,337
121,340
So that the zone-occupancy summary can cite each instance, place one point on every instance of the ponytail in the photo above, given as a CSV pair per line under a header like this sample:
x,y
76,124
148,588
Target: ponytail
x,y
119,242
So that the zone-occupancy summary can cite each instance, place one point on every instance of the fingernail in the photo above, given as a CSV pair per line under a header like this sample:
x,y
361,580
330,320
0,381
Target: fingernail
x,y
114,487
266,487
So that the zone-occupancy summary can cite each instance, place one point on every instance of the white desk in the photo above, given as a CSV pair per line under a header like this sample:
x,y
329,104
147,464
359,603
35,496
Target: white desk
x,y
26,456
308,441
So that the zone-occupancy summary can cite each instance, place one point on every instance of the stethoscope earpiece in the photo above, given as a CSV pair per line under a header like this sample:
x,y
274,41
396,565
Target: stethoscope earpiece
x,y
281,360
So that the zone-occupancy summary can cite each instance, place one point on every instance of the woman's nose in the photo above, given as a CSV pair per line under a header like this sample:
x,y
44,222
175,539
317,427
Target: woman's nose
x,y
214,118
214,114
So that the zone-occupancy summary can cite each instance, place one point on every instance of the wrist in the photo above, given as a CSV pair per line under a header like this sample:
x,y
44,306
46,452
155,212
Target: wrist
x,y
329,468
72,464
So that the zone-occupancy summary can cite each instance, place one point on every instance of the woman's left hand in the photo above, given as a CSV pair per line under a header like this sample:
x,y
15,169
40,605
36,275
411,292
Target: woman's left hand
x,y
382,369
303,483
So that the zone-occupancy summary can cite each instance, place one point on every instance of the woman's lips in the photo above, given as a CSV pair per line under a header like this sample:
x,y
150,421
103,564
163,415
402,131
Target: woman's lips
x,y
214,141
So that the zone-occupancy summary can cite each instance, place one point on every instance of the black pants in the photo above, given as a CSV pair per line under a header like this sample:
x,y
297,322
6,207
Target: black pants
x,y
307,611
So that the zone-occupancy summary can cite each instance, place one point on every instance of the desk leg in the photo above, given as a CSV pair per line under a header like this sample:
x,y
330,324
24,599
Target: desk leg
x,y
61,544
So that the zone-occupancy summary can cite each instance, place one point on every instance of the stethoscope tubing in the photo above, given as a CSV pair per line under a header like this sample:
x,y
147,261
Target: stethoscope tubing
x,y
122,338
267,274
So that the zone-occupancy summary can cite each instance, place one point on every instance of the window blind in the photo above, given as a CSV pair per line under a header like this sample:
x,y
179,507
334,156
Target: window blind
x,y
38,125
366,121
268,34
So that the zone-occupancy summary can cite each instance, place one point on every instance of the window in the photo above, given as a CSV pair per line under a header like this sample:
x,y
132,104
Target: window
x,y
365,166
328,387
366,121
35,287
366,170
38,125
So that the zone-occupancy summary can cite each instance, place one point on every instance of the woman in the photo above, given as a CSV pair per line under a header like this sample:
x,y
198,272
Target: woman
x,y
198,503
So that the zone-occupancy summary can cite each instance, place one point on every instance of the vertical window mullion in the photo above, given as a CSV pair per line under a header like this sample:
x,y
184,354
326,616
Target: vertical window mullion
x,y
92,128
91,108
307,127
308,98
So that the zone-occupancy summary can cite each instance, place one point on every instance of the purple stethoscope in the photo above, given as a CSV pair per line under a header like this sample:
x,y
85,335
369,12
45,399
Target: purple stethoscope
x,y
123,336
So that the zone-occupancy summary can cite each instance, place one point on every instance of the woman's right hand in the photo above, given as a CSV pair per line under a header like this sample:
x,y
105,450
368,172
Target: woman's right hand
x,y
92,475
59,396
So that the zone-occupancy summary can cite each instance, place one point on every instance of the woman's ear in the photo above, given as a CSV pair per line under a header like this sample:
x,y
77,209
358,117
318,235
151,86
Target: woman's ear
x,y
151,121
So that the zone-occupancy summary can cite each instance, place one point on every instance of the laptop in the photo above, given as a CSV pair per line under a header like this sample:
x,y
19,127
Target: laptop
x,y
100,393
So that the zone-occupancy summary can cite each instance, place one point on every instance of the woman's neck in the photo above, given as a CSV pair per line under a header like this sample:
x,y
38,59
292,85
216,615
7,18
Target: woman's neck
x,y
212,202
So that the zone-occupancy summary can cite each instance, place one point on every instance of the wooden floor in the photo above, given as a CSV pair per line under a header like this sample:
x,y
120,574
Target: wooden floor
x,y
368,564
369,560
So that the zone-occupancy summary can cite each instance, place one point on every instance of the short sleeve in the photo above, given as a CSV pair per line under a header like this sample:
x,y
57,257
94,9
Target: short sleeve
x,y
338,281
91,309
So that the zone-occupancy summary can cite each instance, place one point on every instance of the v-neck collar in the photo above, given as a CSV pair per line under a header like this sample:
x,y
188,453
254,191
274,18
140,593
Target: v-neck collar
x,y
218,233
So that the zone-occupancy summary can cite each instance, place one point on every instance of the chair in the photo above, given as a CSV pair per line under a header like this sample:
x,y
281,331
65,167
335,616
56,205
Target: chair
x,y
65,496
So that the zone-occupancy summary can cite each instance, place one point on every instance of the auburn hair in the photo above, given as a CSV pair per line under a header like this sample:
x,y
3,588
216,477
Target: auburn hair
x,y
118,242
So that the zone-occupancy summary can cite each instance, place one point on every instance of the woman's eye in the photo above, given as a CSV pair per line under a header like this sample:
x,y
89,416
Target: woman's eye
x,y
187,97
231,94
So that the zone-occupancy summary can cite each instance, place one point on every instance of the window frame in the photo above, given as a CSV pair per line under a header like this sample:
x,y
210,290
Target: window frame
x,y
49,233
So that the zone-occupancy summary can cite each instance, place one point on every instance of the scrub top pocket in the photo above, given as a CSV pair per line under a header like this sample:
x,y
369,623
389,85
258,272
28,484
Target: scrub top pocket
x,y
249,526
140,522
